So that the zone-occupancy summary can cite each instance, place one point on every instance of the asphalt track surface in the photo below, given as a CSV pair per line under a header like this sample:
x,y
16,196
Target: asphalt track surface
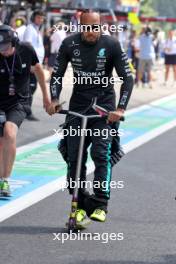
x,y
144,211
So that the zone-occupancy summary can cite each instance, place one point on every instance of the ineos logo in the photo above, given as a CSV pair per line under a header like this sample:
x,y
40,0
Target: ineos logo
x,y
76,52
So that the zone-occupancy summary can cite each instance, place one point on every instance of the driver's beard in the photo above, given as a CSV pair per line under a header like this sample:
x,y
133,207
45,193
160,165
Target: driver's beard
x,y
89,42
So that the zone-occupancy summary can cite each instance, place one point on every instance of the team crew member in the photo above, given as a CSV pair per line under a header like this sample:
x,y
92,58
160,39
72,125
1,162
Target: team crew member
x,y
16,60
146,55
92,54
33,36
20,27
170,56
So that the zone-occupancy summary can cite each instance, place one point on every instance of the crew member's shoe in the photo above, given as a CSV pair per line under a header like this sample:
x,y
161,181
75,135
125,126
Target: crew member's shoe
x,y
98,215
5,189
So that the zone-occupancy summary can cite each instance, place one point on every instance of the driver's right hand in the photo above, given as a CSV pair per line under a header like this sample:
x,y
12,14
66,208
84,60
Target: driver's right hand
x,y
54,107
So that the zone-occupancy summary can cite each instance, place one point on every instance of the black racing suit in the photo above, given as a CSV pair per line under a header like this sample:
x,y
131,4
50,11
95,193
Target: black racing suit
x,y
96,62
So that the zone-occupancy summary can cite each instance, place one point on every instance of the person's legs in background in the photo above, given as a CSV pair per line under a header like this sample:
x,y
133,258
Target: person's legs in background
x,y
141,69
167,70
149,67
174,70
168,65
137,69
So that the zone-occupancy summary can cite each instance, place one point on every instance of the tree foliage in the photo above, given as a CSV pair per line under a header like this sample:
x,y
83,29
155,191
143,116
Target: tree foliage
x,y
162,8
147,8
165,7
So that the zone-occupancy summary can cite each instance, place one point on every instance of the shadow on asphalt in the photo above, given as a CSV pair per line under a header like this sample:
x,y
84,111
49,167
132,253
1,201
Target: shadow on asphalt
x,y
31,230
167,259
35,230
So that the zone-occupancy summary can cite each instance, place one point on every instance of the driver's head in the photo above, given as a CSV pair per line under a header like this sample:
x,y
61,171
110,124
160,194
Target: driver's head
x,y
91,23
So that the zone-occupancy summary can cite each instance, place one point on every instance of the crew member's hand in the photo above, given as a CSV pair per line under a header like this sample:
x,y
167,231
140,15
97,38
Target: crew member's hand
x,y
46,103
116,115
54,108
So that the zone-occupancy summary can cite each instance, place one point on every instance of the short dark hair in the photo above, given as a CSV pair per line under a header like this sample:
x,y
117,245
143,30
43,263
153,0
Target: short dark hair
x,y
148,30
38,13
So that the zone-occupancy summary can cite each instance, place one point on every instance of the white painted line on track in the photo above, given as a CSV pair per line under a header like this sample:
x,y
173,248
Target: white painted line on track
x,y
148,106
148,136
34,197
